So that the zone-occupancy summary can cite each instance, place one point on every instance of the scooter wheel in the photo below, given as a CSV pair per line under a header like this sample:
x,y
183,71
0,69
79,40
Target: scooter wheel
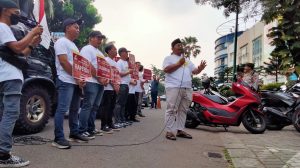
x,y
254,122
296,120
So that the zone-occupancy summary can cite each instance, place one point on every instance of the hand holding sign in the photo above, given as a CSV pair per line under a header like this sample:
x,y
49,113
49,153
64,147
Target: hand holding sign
x,y
81,69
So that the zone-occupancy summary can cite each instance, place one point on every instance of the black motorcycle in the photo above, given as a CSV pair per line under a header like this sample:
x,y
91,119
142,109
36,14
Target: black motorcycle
x,y
282,108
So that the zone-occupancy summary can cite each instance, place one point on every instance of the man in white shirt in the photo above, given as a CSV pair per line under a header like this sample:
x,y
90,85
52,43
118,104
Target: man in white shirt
x,y
11,78
94,88
139,90
178,83
124,70
109,96
68,88
131,106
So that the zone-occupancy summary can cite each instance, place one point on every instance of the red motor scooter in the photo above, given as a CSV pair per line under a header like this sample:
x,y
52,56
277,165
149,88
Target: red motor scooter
x,y
212,109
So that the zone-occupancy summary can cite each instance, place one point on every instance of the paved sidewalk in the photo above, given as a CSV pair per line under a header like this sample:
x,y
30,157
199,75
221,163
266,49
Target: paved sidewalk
x,y
269,150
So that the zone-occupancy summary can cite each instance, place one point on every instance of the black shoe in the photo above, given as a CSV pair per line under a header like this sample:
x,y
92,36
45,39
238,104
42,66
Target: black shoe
x,y
78,138
88,135
61,144
107,130
141,115
114,128
14,161
135,120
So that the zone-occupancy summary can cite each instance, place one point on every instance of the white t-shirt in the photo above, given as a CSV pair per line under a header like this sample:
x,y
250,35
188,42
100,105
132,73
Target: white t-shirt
x,y
8,71
132,89
182,77
138,87
67,47
111,62
90,53
123,67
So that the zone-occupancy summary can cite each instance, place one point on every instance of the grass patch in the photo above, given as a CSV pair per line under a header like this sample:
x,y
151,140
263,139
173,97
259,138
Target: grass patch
x,y
228,158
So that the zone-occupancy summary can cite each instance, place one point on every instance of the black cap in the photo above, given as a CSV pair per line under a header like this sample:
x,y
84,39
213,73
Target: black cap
x,y
122,50
176,41
96,34
8,4
70,21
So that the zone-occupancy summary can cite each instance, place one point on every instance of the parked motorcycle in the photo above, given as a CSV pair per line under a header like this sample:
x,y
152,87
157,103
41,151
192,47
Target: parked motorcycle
x,y
212,109
282,108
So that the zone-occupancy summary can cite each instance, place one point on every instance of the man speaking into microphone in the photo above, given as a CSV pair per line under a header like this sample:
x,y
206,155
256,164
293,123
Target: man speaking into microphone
x,y
178,83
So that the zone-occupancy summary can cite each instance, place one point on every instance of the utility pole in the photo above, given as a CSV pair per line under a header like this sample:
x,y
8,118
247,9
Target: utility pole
x,y
235,38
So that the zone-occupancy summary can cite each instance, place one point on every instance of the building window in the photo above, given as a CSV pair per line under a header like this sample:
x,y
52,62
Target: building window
x,y
244,54
257,51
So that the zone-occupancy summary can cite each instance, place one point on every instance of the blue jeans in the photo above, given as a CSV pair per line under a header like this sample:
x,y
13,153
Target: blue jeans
x,y
93,93
68,99
10,96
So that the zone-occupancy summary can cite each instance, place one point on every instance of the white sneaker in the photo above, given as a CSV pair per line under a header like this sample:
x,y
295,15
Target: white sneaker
x,y
14,161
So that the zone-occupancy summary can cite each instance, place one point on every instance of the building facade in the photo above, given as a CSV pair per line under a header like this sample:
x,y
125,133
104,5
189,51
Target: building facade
x,y
221,54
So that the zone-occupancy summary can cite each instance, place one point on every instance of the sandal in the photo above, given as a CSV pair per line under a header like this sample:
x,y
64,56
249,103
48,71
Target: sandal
x,y
183,134
170,136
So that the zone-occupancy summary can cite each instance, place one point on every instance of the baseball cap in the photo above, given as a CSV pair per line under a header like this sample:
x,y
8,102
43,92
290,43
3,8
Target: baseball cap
x,y
122,49
96,34
70,21
8,4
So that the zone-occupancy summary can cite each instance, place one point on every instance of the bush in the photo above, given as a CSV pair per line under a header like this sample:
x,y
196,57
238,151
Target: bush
x,y
271,86
226,91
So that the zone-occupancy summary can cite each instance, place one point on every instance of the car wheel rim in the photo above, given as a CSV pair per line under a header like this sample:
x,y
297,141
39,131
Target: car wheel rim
x,y
35,108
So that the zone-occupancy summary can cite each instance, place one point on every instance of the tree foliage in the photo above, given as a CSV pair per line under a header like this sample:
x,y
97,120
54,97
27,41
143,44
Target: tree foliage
x,y
273,67
228,72
190,46
196,82
78,9
158,72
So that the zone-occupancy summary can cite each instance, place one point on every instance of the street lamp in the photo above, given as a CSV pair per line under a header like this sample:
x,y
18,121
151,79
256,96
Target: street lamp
x,y
235,39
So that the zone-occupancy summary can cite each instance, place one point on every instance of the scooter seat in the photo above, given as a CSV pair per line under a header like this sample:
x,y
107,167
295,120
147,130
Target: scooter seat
x,y
216,99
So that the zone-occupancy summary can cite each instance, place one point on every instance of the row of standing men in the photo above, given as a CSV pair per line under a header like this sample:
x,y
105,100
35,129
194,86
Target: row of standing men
x,y
119,101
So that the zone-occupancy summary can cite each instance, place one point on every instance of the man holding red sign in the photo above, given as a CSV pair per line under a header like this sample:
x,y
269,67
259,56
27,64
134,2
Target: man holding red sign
x,y
93,90
110,93
68,87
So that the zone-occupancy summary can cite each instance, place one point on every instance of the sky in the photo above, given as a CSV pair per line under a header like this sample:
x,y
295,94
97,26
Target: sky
x,y
147,27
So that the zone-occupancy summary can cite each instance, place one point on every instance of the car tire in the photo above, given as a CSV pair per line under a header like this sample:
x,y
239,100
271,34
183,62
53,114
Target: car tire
x,y
35,110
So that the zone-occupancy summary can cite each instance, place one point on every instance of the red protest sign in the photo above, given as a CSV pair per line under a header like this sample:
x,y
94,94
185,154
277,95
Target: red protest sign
x,y
131,62
103,68
147,74
116,78
81,68
135,74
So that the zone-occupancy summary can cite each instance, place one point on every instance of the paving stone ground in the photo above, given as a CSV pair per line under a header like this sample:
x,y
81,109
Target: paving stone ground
x,y
273,149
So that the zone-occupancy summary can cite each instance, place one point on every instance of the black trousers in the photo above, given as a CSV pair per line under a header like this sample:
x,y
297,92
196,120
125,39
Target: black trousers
x,y
131,107
108,105
154,99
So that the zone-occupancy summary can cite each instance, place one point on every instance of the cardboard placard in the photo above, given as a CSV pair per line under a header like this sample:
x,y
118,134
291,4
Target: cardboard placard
x,y
131,62
115,75
81,68
103,68
147,75
135,73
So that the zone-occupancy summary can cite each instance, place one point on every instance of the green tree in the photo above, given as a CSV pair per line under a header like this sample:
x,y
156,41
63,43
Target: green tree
x,y
190,46
196,82
286,36
273,67
158,72
77,9
228,72
161,89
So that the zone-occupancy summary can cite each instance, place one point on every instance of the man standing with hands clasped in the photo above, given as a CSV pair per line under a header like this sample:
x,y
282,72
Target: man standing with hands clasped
x,y
178,82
